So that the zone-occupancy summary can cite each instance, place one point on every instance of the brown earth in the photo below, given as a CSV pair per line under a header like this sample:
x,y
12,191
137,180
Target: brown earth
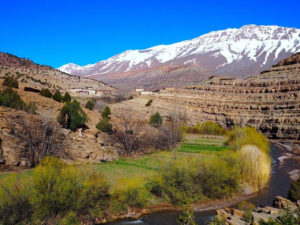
x,y
92,145
41,76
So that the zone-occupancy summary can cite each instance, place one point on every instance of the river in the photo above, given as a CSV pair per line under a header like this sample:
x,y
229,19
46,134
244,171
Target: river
x,y
279,185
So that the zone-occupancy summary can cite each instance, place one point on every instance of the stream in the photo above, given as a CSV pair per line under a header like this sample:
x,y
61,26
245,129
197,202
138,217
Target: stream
x,y
279,185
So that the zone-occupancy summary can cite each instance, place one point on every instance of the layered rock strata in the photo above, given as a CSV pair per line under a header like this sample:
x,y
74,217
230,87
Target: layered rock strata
x,y
270,102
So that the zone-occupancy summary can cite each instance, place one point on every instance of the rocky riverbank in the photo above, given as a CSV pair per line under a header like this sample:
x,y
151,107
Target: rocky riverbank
x,y
238,217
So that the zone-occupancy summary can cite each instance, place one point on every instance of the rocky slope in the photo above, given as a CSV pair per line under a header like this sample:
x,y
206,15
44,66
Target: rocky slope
x,y
236,52
238,217
90,145
41,76
268,101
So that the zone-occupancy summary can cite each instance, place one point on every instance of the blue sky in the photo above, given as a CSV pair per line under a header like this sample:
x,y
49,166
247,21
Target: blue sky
x,y
58,32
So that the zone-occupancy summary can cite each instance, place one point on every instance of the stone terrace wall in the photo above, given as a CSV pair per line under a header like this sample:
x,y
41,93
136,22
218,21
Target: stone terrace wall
x,y
269,102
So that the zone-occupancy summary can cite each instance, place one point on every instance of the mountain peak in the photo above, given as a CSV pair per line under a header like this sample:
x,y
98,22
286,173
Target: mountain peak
x,y
237,52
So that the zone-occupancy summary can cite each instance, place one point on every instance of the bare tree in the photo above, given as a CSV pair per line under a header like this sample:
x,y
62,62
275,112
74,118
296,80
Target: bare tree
x,y
129,132
41,138
169,134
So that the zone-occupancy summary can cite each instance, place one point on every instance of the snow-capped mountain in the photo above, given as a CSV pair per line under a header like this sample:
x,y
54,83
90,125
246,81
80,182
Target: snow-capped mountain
x,y
234,52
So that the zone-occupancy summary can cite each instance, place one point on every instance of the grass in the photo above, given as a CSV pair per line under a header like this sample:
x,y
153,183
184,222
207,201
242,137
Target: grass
x,y
192,147
145,166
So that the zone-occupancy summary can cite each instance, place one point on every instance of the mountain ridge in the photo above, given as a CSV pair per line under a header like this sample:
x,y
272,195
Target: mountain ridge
x,y
236,52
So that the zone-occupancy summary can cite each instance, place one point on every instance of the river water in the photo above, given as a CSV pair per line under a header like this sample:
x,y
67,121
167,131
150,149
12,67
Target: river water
x,y
279,185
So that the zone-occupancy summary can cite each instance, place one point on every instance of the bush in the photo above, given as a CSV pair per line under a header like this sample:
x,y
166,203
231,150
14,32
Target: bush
x,y
15,206
106,113
104,125
294,191
60,188
169,134
248,208
46,93
10,82
239,137
176,185
217,178
209,127
31,108
57,96
149,102
244,205
129,193
90,105
72,116
67,97
10,98
187,182
254,166
155,120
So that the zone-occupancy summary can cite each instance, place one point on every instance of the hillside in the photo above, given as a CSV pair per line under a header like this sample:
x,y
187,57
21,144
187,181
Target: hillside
x,y
91,145
235,52
41,76
268,101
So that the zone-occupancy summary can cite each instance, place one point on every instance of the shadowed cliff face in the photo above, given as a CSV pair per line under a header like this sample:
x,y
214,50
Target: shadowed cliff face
x,y
268,102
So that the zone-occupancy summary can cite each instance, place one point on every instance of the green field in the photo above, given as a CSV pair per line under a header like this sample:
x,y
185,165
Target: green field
x,y
193,146
145,166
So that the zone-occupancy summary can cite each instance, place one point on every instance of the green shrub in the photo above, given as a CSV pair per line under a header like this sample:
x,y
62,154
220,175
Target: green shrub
x,y
176,185
156,120
104,125
72,116
59,188
244,205
70,219
106,113
10,98
10,81
247,136
217,178
46,93
294,191
15,206
209,127
90,105
149,102
248,217
218,221
248,208
57,96
129,193
187,183
67,97
31,108
187,217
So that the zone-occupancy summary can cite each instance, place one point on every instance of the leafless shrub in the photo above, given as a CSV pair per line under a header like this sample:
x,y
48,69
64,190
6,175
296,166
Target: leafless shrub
x,y
129,133
99,105
41,138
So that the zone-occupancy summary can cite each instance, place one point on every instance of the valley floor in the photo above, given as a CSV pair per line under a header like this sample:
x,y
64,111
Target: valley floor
x,y
193,146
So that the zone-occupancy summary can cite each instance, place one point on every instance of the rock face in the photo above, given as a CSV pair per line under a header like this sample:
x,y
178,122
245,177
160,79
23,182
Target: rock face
x,y
269,102
237,217
238,52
